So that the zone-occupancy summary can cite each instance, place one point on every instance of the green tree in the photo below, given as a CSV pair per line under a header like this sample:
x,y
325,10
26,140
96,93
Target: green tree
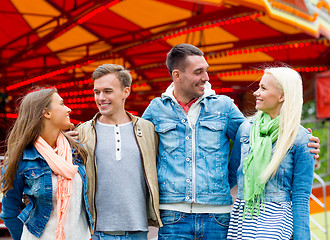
x,y
320,130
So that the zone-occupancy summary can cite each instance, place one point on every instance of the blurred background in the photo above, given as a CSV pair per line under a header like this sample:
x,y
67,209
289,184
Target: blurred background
x,y
59,43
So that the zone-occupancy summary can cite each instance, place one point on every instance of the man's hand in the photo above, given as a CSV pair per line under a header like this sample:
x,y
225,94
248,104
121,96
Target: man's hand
x,y
73,134
26,200
315,145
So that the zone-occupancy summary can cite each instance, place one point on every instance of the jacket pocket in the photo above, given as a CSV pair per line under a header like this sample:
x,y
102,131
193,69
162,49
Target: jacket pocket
x,y
168,136
276,183
210,135
33,180
245,145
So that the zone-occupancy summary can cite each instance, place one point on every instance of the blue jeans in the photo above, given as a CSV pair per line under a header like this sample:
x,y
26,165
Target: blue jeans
x,y
193,226
127,236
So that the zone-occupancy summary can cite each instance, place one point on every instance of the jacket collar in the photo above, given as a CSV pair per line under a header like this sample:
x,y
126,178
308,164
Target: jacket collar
x,y
31,153
134,119
131,116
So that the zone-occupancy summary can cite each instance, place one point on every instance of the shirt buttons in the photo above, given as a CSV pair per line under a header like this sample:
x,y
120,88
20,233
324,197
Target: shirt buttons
x,y
187,198
139,132
183,120
187,159
187,180
187,138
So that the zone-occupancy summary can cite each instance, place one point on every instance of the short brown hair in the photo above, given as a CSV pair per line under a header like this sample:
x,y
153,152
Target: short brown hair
x,y
122,74
176,57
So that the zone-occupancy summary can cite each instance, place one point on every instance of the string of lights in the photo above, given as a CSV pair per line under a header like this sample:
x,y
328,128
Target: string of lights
x,y
250,72
270,47
292,10
47,75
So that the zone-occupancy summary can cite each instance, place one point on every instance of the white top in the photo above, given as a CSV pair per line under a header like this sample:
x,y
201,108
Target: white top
x,y
195,208
75,225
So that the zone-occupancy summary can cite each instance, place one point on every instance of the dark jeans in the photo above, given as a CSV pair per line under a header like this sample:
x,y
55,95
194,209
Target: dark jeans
x,y
127,236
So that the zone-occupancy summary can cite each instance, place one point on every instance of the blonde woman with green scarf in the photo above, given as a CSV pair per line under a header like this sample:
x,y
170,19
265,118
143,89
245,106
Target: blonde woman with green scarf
x,y
275,166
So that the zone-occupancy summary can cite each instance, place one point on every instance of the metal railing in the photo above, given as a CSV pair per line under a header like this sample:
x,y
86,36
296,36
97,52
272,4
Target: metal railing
x,y
323,204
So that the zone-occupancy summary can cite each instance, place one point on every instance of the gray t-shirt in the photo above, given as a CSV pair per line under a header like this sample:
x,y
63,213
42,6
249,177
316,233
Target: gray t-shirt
x,y
121,191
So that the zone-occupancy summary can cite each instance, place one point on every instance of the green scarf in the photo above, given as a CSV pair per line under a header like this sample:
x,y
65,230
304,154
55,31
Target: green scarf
x,y
264,133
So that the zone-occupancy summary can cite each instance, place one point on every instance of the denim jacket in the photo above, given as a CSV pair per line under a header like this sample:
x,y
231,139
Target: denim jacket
x,y
33,177
292,181
193,158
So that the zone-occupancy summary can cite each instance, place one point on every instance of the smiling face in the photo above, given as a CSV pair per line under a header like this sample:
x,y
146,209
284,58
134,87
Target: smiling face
x,y
110,95
58,113
269,98
189,83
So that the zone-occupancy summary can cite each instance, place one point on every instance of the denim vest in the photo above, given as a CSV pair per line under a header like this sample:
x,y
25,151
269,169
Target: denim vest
x,y
193,161
33,177
292,181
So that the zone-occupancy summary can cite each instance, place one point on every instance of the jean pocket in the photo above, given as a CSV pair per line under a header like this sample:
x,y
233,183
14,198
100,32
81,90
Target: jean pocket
x,y
170,217
222,219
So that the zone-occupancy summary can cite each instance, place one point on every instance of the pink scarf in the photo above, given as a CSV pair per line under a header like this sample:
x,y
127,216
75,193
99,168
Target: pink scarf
x,y
62,166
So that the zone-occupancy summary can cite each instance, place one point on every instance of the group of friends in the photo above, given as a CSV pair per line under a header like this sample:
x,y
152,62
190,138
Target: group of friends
x,y
115,175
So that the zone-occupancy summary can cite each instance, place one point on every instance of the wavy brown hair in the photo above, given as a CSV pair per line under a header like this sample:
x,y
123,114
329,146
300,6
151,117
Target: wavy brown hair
x,y
26,130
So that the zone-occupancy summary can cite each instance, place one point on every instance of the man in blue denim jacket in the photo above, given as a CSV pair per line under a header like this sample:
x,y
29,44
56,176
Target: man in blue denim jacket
x,y
195,127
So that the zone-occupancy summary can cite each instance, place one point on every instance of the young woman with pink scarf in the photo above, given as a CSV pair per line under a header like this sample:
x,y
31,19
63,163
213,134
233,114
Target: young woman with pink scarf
x,y
48,167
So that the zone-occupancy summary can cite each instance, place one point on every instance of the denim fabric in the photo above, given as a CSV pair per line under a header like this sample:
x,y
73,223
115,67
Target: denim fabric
x,y
192,162
33,177
128,236
292,181
178,225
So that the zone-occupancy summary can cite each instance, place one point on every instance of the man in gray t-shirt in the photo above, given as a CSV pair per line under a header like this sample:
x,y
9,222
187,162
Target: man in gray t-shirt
x,y
117,208
122,185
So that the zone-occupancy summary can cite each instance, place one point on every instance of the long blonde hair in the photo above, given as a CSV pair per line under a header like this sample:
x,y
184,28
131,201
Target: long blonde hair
x,y
26,130
289,82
